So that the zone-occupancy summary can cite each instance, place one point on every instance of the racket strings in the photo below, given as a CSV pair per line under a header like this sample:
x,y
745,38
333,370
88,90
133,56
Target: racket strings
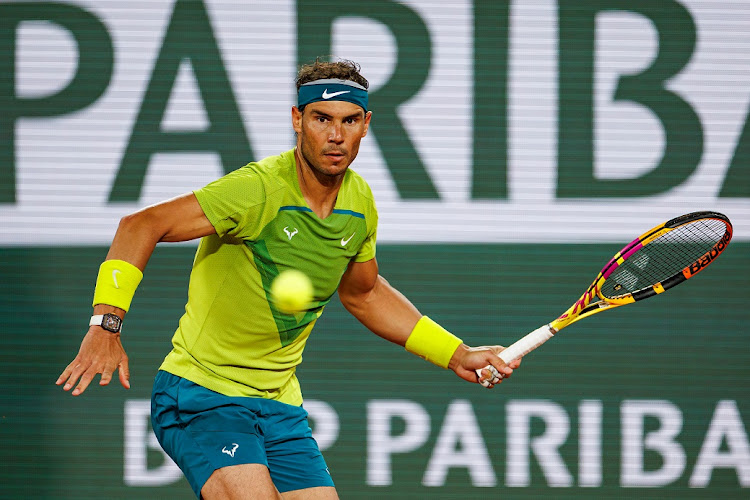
x,y
664,257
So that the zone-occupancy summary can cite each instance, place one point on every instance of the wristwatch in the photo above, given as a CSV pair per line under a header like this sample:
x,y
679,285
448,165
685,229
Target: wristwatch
x,y
110,322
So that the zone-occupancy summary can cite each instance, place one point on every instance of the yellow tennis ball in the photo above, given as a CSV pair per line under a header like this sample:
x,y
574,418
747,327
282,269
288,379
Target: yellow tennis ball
x,y
292,291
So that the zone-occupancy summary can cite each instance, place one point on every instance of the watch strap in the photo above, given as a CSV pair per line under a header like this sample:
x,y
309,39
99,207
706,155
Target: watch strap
x,y
98,320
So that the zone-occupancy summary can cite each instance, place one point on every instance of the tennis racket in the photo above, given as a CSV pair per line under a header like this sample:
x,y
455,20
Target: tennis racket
x,y
654,262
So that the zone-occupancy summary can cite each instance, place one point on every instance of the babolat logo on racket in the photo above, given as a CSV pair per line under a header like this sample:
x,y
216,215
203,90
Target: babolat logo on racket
x,y
708,257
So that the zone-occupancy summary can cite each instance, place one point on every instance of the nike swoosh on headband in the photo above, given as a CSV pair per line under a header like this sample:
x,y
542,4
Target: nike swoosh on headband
x,y
326,95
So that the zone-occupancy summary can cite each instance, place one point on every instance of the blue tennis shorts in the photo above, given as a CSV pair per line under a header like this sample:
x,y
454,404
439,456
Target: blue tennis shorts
x,y
203,431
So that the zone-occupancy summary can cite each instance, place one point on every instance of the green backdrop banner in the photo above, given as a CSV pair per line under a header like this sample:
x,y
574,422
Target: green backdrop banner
x,y
647,396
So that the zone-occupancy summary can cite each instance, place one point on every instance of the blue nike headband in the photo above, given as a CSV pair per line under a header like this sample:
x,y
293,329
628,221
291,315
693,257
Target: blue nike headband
x,y
331,89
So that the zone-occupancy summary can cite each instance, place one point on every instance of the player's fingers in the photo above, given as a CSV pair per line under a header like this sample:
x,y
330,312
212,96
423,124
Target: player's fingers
x,y
500,366
490,376
124,373
506,368
500,373
86,379
65,374
106,377
74,373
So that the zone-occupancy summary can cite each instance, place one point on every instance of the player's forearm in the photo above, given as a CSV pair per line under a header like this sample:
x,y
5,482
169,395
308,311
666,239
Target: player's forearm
x,y
385,311
135,239
122,270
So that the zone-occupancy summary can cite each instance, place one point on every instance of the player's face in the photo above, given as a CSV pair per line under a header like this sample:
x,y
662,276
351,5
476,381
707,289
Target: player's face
x,y
329,133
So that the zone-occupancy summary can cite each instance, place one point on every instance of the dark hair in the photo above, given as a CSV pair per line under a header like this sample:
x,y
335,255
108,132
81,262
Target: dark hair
x,y
341,70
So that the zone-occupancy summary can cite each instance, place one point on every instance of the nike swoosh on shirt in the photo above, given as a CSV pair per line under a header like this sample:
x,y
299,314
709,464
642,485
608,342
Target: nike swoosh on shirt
x,y
326,95
114,277
344,242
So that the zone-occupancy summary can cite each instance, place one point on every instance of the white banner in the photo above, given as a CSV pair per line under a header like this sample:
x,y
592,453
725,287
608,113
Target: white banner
x,y
62,160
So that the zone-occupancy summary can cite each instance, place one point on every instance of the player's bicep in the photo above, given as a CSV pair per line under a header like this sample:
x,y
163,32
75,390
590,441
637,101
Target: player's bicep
x,y
358,282
181,219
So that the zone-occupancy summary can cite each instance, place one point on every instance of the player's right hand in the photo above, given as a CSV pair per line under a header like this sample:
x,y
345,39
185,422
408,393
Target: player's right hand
x,y
100,352
466,360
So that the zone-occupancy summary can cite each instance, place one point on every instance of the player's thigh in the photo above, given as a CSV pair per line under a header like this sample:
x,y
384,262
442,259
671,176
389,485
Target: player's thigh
x,y
241,482
319,493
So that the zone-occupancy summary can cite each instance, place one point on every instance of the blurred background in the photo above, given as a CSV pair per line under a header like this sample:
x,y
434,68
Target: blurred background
x,y
514,147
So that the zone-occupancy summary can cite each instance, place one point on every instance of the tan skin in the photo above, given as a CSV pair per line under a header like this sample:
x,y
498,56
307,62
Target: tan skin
x,y
328,138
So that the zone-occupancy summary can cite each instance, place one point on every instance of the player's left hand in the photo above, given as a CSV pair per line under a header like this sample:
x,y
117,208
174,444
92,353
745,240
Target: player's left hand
x,y
466,360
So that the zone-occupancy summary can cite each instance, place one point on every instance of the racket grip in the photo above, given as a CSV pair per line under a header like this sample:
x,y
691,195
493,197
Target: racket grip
x,y
517,350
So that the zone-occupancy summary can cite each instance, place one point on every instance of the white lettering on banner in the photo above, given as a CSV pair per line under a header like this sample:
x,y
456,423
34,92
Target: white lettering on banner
x,y
590,443
381,443
545,447
58,157
324,422
662,441
460,444
139,439
726,425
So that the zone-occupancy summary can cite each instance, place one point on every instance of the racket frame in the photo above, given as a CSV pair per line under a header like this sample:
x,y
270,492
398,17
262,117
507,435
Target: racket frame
x,y
586,306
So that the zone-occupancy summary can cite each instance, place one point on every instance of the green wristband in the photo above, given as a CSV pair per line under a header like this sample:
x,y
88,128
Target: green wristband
x,y
432,342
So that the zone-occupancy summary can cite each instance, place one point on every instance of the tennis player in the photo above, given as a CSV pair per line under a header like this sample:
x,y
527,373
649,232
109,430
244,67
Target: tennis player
x,y
226,404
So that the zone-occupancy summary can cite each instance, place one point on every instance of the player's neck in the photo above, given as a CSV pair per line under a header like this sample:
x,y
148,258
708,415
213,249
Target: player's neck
x,y
318,189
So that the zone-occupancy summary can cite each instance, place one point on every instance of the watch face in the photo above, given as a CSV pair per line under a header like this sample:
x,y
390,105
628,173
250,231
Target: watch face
x,y
111,322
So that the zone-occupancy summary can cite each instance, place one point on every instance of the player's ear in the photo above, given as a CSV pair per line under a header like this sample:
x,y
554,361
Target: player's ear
x,y
296,119
368,116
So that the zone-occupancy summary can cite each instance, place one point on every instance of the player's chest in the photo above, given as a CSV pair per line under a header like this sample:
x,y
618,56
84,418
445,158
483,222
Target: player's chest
x,y
300,234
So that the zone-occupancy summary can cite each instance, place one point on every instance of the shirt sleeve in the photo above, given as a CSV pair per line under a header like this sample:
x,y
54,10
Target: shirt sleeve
x,y
234,203
367,250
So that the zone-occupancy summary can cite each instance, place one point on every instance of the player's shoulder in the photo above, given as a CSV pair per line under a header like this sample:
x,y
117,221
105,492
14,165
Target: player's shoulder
x,y
271,168
356,195
272,173
355,185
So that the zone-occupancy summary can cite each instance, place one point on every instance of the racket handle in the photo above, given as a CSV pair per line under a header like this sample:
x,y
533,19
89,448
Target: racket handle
x,y
517,350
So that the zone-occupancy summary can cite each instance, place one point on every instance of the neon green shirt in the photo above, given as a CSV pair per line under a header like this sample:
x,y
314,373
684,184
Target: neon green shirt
x,y
231,338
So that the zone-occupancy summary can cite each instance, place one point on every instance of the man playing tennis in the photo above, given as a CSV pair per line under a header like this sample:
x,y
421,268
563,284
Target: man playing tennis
x,y
226,403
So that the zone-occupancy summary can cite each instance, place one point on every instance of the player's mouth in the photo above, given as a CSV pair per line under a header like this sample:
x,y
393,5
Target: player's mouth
x,y
335,156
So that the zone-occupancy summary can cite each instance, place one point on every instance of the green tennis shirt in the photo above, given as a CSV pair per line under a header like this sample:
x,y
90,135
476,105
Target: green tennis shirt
x,y
231,338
